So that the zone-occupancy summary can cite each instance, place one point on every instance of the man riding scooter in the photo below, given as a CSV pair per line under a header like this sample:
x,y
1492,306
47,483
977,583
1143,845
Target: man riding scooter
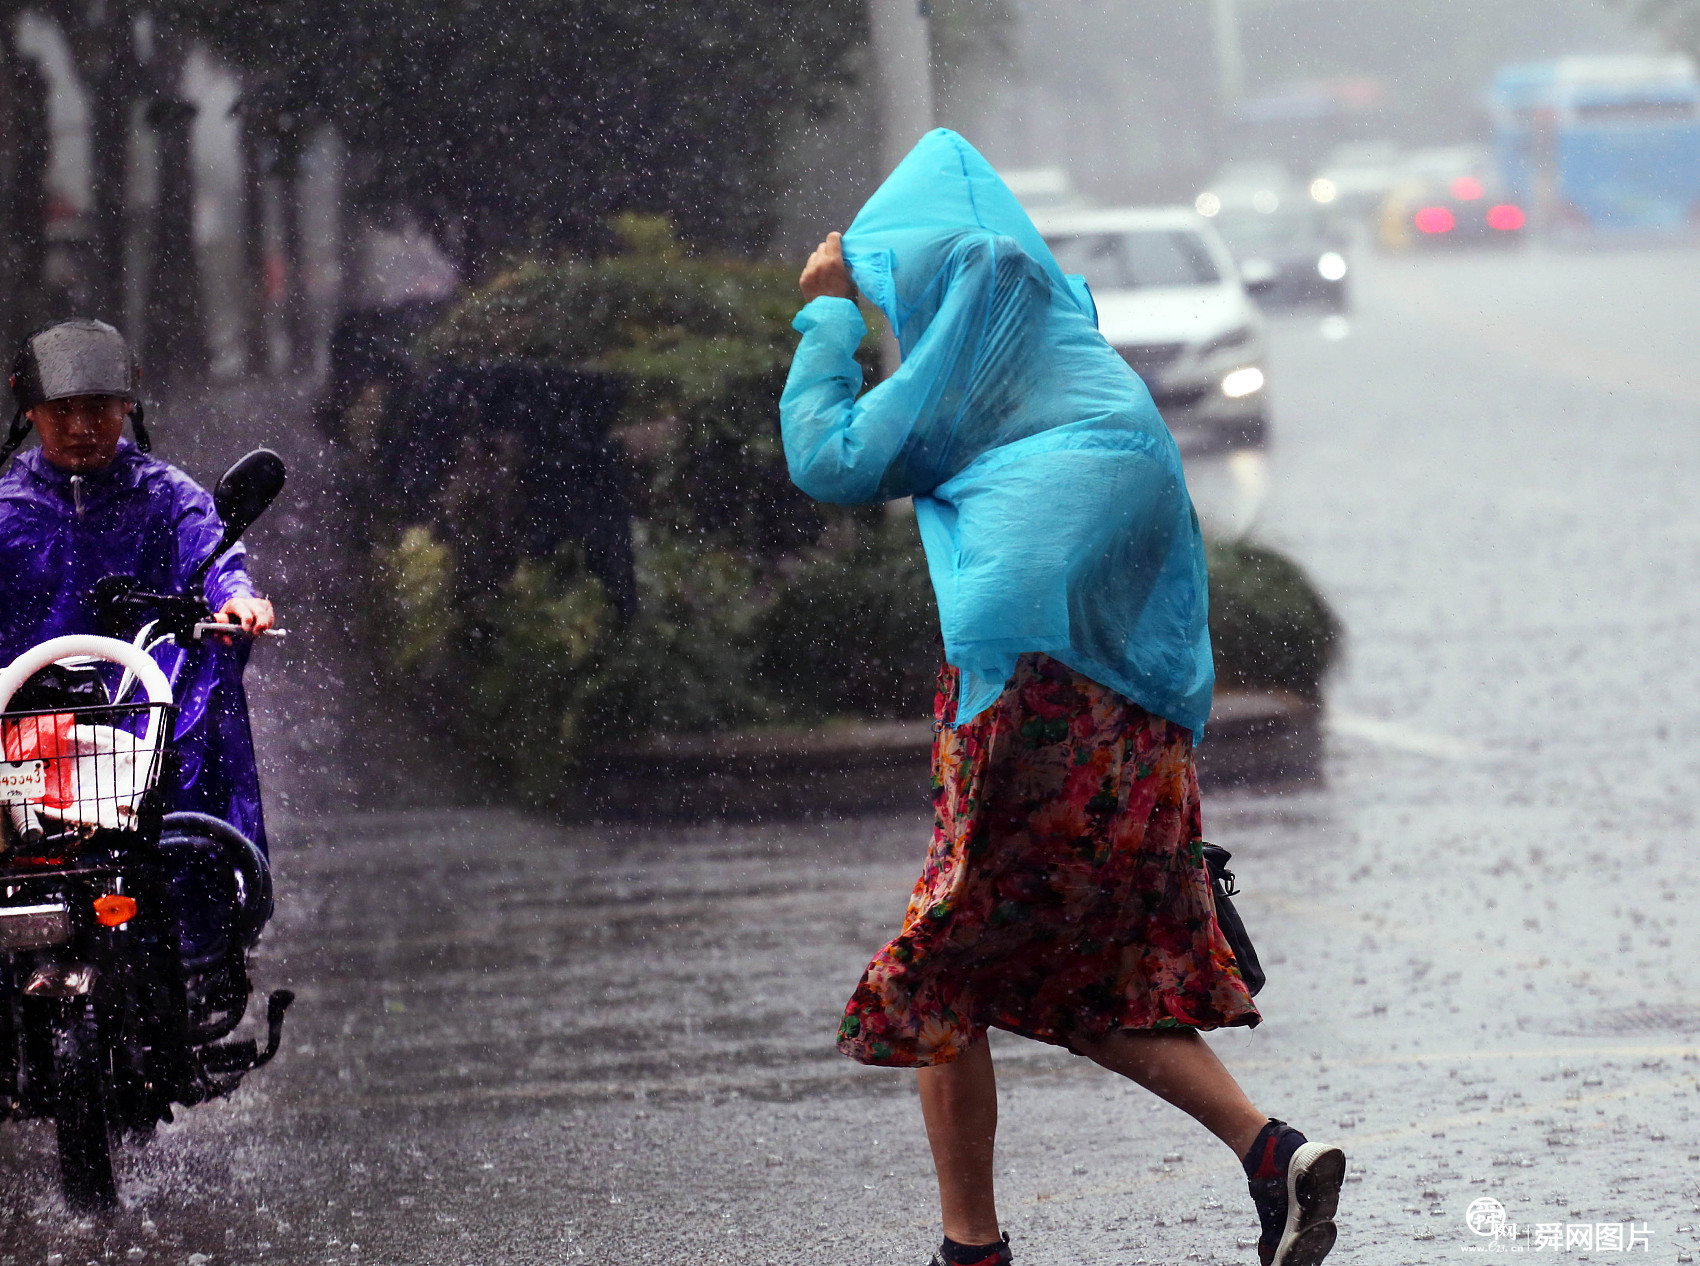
x,y
89,504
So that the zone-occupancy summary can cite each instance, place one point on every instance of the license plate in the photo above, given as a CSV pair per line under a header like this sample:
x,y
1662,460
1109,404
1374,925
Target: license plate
x,y
23,780
34,927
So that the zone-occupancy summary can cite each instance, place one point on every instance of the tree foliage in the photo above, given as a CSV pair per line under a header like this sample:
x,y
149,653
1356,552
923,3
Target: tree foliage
x,y
507,123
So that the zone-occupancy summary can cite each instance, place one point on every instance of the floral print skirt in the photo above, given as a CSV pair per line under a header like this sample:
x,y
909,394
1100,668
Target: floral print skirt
x,y
1065,891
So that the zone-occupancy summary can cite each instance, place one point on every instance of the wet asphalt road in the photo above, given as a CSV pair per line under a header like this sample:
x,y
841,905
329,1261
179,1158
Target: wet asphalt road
x,y
522,1042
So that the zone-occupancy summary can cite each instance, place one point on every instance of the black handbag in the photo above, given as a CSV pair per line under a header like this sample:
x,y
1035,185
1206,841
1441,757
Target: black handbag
x,y
1222,887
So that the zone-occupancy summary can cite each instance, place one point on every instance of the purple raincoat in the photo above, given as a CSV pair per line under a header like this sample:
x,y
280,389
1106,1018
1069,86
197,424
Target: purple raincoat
x,y
60,533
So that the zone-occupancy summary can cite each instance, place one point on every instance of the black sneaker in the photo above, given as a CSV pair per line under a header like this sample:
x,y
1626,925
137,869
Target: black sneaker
x,y
1295,1185
995,1255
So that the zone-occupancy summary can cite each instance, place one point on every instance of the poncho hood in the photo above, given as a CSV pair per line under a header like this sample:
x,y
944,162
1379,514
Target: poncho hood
x,y
901,239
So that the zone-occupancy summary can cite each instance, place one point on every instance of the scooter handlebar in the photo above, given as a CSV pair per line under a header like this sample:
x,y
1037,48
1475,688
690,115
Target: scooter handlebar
x,y
218,628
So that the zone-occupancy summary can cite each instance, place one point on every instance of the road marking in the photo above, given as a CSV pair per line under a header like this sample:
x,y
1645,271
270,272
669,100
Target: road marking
x,y
1403,738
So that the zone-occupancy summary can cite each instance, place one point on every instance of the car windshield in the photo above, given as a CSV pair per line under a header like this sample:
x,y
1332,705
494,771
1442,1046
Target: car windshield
x,y
1252,230
1133,259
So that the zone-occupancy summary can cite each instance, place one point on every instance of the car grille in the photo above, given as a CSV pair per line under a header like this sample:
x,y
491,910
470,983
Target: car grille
x,y
1151,358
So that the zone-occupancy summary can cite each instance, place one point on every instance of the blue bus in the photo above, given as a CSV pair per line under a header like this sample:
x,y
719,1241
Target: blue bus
x,y
1606,144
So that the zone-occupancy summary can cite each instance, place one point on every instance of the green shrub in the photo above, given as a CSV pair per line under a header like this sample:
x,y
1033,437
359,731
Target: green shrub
x,y
855,630
1268,624
536,673
686,661
514,671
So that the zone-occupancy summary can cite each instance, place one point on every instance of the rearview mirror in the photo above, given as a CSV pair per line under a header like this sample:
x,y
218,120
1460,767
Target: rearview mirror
x,y
245,491
241,496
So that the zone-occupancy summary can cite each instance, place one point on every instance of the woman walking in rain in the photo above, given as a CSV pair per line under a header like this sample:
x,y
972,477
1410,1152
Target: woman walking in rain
x,y
1064,896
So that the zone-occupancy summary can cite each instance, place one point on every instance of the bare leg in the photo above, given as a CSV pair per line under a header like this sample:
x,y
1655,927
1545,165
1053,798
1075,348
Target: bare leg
x,y
1178,1066
960,1103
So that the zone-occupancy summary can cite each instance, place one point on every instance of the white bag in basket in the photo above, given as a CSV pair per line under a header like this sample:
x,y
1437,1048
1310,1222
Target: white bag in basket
x,y
110,774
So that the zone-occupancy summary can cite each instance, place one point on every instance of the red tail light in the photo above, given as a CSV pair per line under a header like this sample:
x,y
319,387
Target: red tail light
x,y
1434,220
1505,217
1467,189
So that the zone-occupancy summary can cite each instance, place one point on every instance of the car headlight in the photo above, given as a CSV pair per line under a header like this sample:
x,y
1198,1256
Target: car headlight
x,y
1242,382
1331,266
1239,336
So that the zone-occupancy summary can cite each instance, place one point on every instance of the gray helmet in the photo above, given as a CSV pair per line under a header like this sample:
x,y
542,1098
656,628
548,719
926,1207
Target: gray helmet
x,y
74,358
79,357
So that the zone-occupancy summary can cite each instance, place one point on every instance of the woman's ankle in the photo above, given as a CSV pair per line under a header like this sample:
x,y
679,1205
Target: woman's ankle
x,y
955,1252
973,1234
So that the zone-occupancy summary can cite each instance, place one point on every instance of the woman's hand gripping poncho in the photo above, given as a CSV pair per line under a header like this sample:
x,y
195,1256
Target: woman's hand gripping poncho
x,y
1049,493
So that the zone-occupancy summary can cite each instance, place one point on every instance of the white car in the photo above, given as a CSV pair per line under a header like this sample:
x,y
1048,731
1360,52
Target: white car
x,y
1171,302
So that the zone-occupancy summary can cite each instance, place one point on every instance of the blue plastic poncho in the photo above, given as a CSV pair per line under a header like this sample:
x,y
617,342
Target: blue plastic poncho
x,y
145,518
1050,495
